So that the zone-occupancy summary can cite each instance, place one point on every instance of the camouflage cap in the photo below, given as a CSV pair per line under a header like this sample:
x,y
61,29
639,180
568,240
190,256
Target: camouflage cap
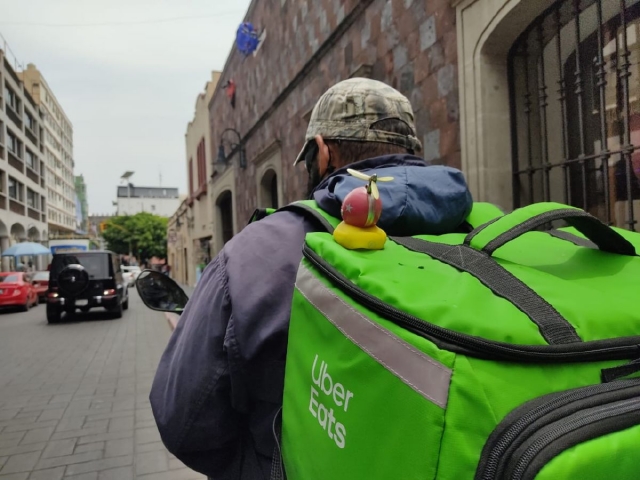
x,y
349,109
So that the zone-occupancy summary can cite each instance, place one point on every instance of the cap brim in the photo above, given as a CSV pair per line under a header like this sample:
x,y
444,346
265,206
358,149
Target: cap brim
x,y
302,153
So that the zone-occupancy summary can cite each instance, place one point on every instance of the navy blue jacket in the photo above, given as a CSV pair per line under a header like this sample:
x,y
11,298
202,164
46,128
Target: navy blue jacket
x,y
220,381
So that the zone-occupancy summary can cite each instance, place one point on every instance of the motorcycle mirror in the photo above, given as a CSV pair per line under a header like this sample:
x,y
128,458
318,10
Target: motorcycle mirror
x,y
161,293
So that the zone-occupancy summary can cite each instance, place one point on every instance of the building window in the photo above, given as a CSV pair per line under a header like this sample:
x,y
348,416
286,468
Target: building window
x,y
191,176
31,160
29,121
269,190
32,199
575,109
12,98
13,144
16,189
43,204
202,165
225,206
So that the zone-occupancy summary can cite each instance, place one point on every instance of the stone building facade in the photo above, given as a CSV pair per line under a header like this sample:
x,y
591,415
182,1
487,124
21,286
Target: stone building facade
x,y
494,85
309,46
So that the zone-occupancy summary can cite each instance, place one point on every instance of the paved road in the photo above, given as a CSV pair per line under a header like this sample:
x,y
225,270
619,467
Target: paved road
x,y
74,398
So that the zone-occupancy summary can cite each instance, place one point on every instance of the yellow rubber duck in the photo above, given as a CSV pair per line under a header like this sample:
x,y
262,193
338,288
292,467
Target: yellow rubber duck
x,y
360,212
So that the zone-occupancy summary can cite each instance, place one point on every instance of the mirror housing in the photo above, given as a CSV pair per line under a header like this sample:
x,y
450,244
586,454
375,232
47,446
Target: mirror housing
x,y
159,292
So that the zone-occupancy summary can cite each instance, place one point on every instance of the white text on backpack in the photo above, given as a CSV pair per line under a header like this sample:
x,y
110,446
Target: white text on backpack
x,y
335,391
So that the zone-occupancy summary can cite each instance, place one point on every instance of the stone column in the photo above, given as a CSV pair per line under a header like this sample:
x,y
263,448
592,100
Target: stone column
x,y
6,262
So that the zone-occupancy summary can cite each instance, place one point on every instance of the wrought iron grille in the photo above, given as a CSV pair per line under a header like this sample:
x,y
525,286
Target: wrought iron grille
x,y
574,84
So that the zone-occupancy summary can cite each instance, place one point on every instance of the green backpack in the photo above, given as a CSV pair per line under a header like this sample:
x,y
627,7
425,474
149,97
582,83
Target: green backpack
x,y
503,353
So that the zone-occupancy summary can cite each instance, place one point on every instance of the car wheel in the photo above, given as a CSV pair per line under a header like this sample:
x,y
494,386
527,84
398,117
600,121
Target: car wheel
x,y
53,314
117,311
25,307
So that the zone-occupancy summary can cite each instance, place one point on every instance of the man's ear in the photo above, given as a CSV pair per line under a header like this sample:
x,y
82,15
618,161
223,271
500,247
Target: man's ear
x,y
323,155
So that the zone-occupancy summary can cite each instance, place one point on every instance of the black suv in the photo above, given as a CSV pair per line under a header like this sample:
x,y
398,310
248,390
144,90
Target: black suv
x,y
85,280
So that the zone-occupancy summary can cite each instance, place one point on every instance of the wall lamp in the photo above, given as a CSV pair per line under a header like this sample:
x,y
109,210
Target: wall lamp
x,y
222,156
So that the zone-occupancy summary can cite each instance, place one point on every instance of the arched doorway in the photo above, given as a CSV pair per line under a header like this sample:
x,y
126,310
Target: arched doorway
x,y
18,232
575,109
33,234
224,205
269,190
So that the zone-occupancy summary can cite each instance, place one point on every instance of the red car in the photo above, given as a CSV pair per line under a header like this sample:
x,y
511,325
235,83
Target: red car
x,y
17,291
41,284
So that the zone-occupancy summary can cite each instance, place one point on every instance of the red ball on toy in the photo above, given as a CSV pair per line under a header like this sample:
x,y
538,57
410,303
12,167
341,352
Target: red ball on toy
x,y
360,209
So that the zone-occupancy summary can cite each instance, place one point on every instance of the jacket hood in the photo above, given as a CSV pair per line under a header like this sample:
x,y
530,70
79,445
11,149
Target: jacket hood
x,y
421,199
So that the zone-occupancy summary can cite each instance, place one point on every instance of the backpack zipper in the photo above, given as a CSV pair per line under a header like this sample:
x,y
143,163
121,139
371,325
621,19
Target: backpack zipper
x,y
616,349
590,418
504,437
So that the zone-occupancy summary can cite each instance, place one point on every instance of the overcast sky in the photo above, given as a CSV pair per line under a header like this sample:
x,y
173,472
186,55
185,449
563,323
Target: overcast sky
x,y
129,90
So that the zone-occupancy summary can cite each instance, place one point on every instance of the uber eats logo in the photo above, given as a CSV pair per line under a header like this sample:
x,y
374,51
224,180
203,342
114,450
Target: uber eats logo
x,y
327,394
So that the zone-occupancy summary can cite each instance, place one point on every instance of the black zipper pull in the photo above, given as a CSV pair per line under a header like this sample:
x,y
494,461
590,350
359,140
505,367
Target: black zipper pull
x,y
610,374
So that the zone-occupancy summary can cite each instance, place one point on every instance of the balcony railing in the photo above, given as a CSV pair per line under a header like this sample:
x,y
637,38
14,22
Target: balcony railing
x,y
31,135
30,99
34,214
9,69
14,117
15,162
33,175
16,207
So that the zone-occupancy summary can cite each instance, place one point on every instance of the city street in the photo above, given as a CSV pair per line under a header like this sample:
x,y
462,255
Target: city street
x,y
74,397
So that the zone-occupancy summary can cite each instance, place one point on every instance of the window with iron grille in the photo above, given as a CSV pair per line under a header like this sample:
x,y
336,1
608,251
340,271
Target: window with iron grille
x,y
574,77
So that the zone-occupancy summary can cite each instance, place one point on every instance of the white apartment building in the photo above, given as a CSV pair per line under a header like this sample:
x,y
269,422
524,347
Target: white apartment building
x,y
162,201
23,203
58,155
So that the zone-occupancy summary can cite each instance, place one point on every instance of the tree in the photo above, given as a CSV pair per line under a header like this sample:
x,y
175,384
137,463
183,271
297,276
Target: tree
x,y
144,233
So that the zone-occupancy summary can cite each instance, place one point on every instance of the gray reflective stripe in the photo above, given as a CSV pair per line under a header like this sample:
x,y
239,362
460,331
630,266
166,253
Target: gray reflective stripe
x,y
420,372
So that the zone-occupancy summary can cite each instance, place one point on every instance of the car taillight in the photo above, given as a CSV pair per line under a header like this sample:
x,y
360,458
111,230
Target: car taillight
x,y
109,292
53,295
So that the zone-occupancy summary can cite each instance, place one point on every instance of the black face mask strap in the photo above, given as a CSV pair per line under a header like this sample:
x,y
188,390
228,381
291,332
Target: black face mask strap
x,y
311,155
330,168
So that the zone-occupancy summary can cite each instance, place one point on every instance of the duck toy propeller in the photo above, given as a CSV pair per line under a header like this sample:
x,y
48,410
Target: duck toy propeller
x,y
361,210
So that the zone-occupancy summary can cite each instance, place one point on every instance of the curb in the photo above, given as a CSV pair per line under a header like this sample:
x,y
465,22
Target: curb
x,y
172,318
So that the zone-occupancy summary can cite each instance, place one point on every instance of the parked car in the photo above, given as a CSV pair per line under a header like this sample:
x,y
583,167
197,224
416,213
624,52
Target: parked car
x,y
16,290
41,284
130,274
86,280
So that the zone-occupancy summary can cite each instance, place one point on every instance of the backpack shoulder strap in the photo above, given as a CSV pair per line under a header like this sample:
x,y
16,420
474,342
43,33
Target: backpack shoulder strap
x,y
305,208
259,214
483,212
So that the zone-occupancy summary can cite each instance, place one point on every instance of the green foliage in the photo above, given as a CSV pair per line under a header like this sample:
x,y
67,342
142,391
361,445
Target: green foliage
x,y
145,232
